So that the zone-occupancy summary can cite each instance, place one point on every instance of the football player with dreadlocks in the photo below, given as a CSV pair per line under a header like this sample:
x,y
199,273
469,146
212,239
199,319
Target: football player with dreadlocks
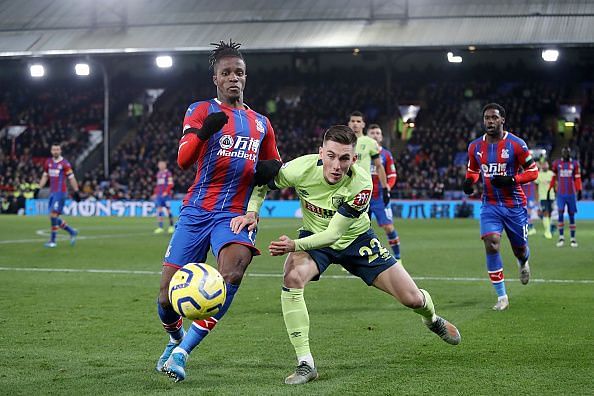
x,y
234,148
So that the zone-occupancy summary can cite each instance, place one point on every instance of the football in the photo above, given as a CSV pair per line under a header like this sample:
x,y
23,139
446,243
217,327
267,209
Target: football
x,y
197,291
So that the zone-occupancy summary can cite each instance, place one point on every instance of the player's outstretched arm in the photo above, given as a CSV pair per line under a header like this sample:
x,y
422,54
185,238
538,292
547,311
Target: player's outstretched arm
x,y
283,245
338,226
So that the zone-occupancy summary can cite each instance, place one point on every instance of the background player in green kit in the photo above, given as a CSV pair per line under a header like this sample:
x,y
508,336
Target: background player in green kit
x,y
368,152
546,195
334,193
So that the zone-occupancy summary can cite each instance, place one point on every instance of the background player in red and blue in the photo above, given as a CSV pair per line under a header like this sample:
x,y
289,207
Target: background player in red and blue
x,y
568,183
530,193
378,207
503,161
162,193
57,170
234,148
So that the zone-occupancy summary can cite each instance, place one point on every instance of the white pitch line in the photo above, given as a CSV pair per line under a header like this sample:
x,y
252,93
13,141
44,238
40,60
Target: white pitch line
x,y
78,238
271,275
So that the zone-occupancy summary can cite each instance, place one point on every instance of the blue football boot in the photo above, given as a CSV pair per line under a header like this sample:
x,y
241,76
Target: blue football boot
x,y
175,366
166,353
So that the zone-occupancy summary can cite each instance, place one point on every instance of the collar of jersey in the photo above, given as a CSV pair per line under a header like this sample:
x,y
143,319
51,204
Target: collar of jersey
x,y
505,133
55,162
229,107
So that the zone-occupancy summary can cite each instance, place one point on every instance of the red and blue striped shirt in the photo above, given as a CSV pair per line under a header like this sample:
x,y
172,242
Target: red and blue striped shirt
x,y
389,167
529,190
58,172
508,157
227,160
567,175
164,183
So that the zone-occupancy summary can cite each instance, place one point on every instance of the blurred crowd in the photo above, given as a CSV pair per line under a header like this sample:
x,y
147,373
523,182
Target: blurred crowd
x,y
47,113
431,160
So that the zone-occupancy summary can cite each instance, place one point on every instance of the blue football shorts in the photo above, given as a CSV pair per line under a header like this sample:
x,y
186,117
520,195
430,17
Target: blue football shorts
x,y
495,219
161,200
382,213
198,230
56,202
567,200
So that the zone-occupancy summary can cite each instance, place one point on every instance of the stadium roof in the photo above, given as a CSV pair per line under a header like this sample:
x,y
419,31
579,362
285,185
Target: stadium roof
x,y
33,27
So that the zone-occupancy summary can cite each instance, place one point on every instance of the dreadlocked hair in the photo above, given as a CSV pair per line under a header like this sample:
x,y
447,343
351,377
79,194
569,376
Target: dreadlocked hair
x,y
222,50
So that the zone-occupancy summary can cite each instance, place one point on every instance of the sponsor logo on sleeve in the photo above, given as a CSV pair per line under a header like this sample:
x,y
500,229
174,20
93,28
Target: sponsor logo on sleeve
x,y
362,198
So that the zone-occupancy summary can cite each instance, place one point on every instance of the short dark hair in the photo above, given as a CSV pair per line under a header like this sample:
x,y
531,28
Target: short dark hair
x,y
340,134
57,144
223,50
374,126
357,113
494,106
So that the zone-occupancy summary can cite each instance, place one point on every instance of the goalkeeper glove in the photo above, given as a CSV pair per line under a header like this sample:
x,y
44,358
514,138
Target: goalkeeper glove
x,y
579,195
386,196
502,181
266,170
76,196
467,187
549,194
211,125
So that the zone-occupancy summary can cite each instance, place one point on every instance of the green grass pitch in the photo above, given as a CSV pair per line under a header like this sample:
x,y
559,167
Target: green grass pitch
x,y
97,332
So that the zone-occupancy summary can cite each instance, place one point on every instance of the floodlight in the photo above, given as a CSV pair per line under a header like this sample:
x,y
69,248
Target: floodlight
x,y
453,58
82,69
550,55
37,70
164,61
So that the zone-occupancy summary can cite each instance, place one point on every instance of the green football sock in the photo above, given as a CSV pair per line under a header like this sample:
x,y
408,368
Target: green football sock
x,y
296,319
546,222
427,311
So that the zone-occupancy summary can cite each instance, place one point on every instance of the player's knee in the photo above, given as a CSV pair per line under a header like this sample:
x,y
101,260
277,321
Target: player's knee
x,y
233,272
491,245
233,262
413,299
293,278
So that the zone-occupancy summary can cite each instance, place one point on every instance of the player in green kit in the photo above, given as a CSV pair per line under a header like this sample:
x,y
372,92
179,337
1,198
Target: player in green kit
x,y
546,195
368,152
334,193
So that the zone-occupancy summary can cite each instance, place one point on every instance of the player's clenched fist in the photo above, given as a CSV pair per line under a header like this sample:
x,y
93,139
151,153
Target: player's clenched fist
x,y
284,245
467,187
211,125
